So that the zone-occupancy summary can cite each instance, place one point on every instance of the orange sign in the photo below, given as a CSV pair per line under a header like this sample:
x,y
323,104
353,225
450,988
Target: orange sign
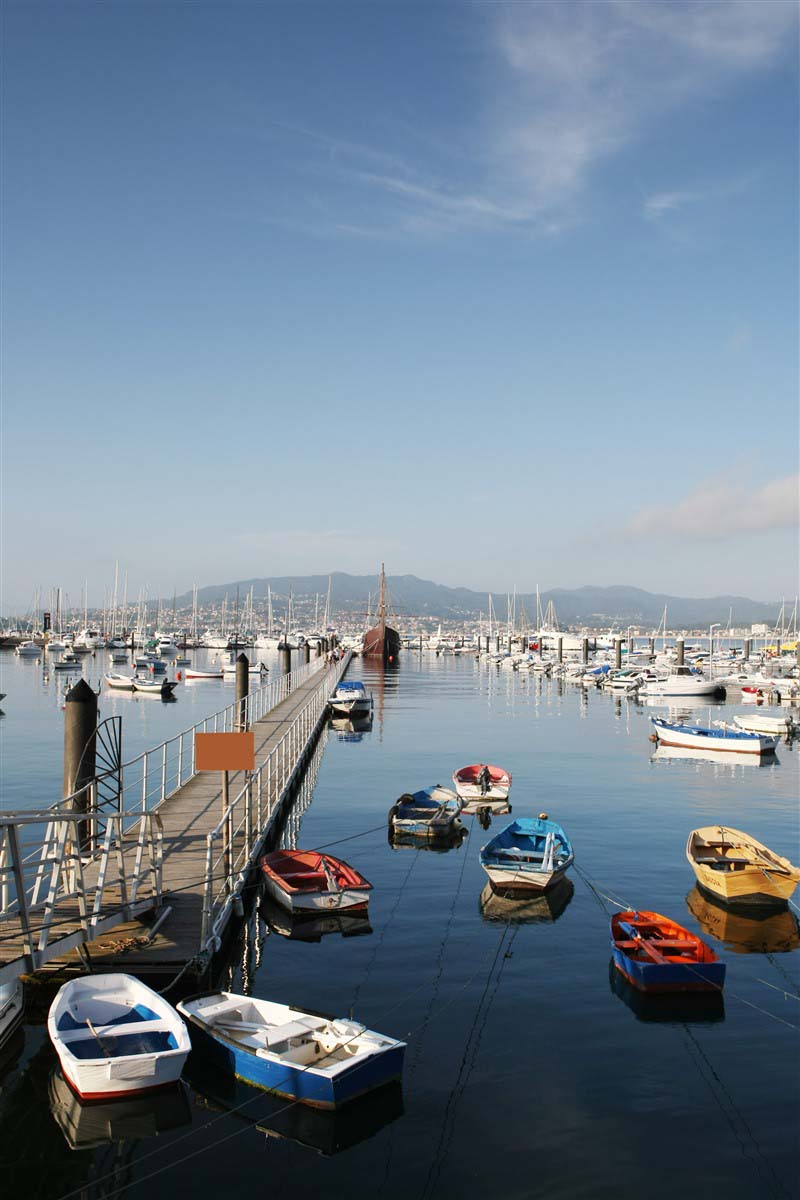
x,y
225,751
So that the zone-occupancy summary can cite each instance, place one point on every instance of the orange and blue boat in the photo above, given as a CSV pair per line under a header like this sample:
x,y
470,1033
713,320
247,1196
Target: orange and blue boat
x,y
656,954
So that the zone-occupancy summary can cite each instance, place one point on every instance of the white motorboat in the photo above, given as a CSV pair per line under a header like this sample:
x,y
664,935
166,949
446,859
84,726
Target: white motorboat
x,y
119,656
92,639
69,662
115,1037
624,681
28,650
351,699
55,646
215,640
201,673
683,681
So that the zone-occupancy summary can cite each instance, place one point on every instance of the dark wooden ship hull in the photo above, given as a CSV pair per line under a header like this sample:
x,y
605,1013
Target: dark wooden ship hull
x,y
381,642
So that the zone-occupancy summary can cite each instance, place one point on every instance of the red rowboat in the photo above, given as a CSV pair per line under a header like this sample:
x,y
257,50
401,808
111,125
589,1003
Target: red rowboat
x,y
307,881
656,954
481,785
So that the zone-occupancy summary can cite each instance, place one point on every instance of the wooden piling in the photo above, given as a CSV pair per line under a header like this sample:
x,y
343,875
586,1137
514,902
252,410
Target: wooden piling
x,y
242,691
617,653
679,652
584,650
80,723
560,649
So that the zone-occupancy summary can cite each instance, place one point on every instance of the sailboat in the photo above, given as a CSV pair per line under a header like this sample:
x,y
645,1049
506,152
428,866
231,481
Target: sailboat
x,y
381,641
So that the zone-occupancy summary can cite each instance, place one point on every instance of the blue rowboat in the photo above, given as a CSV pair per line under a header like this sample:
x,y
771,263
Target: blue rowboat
x,y
656,954
431,812
530,854
322,1061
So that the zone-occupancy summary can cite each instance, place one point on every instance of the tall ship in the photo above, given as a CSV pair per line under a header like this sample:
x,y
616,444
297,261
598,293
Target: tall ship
x,y
381,641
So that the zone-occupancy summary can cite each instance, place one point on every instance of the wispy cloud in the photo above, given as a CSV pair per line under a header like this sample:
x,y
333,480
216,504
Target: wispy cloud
x,y
719,508
563,88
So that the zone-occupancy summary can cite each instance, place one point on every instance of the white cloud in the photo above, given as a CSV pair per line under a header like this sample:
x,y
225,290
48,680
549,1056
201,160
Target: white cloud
x,y
562,88
721,508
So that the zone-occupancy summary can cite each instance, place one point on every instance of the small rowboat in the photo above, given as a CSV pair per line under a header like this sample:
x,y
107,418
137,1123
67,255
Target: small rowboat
x,y
656,954
351,699
258,668
528,855
322,1061
736,869
431,812
69,662
123,683
781,726
699,737
155,687
307,881
199,673
483,786
115,1037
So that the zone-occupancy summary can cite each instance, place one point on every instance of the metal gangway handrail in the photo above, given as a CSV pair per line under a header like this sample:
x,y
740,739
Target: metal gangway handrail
x,y
73,852
63,879
240,833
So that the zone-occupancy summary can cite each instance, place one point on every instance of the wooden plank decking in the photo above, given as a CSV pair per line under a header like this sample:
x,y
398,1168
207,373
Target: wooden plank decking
x,y
187,816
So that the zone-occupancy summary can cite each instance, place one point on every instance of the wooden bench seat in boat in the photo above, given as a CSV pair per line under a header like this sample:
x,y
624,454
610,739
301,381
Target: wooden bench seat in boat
x,y
306,881
714,860
662,943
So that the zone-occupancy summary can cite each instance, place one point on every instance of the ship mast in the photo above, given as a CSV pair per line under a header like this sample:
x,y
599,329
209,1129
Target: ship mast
x,y
382,605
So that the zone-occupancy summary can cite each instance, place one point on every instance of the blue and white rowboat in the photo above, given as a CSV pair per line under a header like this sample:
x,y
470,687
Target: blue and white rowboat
x,y
530,854
699,737
322,1061
430,812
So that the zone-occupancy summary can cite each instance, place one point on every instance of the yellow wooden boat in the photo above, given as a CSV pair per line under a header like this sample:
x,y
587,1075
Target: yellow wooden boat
x,y
737,869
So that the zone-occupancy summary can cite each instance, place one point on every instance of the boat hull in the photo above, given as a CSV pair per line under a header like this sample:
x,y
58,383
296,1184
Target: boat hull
x,y
677,977
734,743
381,642
299,1083
352,899
517,879
741,883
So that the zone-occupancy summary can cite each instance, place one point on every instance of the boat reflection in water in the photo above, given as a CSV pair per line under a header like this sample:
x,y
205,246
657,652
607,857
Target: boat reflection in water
x,y
439,845
92,1124
519,908
348,730
313,926
745,931
327,1132
720,758
679,1007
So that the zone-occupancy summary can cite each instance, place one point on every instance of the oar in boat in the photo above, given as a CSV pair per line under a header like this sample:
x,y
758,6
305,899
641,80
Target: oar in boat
x,y
99,1040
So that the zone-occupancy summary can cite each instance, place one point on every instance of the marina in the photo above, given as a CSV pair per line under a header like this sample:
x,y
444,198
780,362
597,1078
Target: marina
x,y
437,936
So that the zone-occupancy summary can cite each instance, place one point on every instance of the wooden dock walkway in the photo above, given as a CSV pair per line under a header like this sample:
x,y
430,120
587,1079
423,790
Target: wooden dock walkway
x,y
205,859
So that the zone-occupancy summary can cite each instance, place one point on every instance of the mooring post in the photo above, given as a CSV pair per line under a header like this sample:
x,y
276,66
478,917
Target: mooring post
x,y
747,648
652,643
584,650
80,723
306,652
242,690
679,652
319,648
286,660
560,649
420,643
618,652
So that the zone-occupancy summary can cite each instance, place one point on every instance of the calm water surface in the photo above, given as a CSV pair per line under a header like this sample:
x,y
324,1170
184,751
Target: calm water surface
x,y
529,1071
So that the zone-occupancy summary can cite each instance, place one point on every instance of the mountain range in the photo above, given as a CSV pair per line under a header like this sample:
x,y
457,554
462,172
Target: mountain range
x,y
414,597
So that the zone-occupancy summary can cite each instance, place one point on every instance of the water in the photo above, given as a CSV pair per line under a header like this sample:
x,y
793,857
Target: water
x,y
32,726
529,1071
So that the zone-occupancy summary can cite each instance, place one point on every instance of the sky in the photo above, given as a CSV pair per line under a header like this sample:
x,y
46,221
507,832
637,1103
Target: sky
x,y
499,294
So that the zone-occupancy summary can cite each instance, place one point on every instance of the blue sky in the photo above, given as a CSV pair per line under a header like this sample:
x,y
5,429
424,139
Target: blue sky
x,y
501,294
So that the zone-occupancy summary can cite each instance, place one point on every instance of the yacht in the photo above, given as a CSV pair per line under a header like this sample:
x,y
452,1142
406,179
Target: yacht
x,y
214,639
90,638
683,681
28,650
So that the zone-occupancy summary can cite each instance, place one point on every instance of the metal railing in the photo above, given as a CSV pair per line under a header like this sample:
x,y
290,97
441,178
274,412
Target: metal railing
x,y
235,842
54,895
81,867
149,779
